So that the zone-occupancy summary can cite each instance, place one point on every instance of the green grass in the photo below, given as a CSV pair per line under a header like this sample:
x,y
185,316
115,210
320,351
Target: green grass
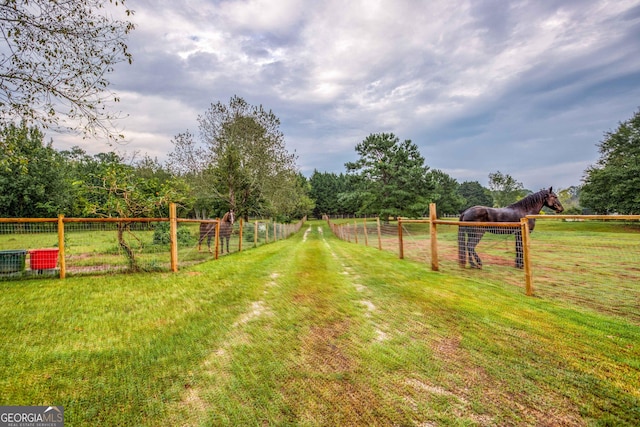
x,y
593,264
313,331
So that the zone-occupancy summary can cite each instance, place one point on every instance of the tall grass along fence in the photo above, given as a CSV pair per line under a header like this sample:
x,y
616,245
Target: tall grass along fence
x,y
584,251
45,247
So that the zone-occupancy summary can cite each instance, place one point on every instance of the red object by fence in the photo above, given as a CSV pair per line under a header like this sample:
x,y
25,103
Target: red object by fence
x,y
42,259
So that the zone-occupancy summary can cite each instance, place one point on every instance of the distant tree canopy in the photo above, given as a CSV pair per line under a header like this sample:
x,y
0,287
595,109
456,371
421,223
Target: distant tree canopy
x,y
391,177
475,194
54,61
446,195
33,177
38,181
325,189
505,189
240,163
612,185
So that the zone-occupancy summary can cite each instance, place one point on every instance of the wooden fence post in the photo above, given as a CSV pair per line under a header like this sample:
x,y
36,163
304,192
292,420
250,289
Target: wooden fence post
x,y
400,242
240,241
526,253
355,230
255,235
63,265
173,236
379,234
217,244
366,238
434,236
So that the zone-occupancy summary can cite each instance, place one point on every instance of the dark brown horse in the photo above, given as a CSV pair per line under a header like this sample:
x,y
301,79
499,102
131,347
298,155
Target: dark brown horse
x,y
469,236
208,230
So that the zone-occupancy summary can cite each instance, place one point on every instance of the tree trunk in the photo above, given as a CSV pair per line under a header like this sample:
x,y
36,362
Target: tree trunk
x,y
133,264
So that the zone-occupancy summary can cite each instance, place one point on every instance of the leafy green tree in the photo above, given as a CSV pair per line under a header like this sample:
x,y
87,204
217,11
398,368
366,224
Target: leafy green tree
x,y
55,60
191,160
475,194
242,162
505,189
117,191
613,183
570,198
393,177
287,205
446,195
33,176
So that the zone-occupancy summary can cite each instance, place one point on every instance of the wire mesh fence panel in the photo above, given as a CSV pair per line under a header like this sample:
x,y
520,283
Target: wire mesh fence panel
x,y
589,263
75,246
28,249
257,233
495,249
389,236
103,247
593,263
492,251
416,241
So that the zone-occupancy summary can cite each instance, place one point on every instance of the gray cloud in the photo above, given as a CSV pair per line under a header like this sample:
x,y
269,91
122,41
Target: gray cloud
x,y
527,88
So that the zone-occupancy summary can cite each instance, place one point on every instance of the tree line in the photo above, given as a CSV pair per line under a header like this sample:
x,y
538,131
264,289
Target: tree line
x,y
390,178
239,162
54,75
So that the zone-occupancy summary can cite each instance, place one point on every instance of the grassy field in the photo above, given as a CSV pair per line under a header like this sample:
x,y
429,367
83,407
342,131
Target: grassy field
x,y
593,264
313,331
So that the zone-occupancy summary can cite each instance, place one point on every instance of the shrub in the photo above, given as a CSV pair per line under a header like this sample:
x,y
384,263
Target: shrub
x,y
161,235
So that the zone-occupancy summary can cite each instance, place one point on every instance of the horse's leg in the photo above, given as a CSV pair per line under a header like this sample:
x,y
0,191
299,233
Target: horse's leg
x,y
474,238
519,252
221,239
202,236
462,247
209,242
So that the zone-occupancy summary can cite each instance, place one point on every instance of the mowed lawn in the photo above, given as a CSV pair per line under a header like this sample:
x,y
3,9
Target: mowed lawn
x,y
313,331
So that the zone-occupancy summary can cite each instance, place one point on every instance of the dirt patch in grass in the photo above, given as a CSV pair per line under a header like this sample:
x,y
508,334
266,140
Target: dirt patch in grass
x,y
322,350
484,398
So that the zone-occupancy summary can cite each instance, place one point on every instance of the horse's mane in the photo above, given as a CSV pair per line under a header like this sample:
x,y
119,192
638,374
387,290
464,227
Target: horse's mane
x,y
531,200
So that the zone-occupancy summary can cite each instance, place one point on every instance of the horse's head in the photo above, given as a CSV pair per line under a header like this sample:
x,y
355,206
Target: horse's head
x,y
551,201
232,217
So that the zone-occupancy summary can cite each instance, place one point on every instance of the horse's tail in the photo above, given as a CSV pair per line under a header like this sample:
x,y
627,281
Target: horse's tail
x,y
462,245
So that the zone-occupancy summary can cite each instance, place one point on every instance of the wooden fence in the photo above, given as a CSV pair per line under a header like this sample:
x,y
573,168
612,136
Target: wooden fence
x,y
21,232
395,237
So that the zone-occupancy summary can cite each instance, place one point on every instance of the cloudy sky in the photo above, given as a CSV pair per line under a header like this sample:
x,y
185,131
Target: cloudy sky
x,y
524,87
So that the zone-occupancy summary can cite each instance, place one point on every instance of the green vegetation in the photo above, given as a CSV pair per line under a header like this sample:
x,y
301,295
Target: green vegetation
x,y
313,331
612,184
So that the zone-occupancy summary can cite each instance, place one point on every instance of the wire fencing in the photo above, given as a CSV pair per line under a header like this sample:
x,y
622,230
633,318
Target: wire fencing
x,y
588,259
45,247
